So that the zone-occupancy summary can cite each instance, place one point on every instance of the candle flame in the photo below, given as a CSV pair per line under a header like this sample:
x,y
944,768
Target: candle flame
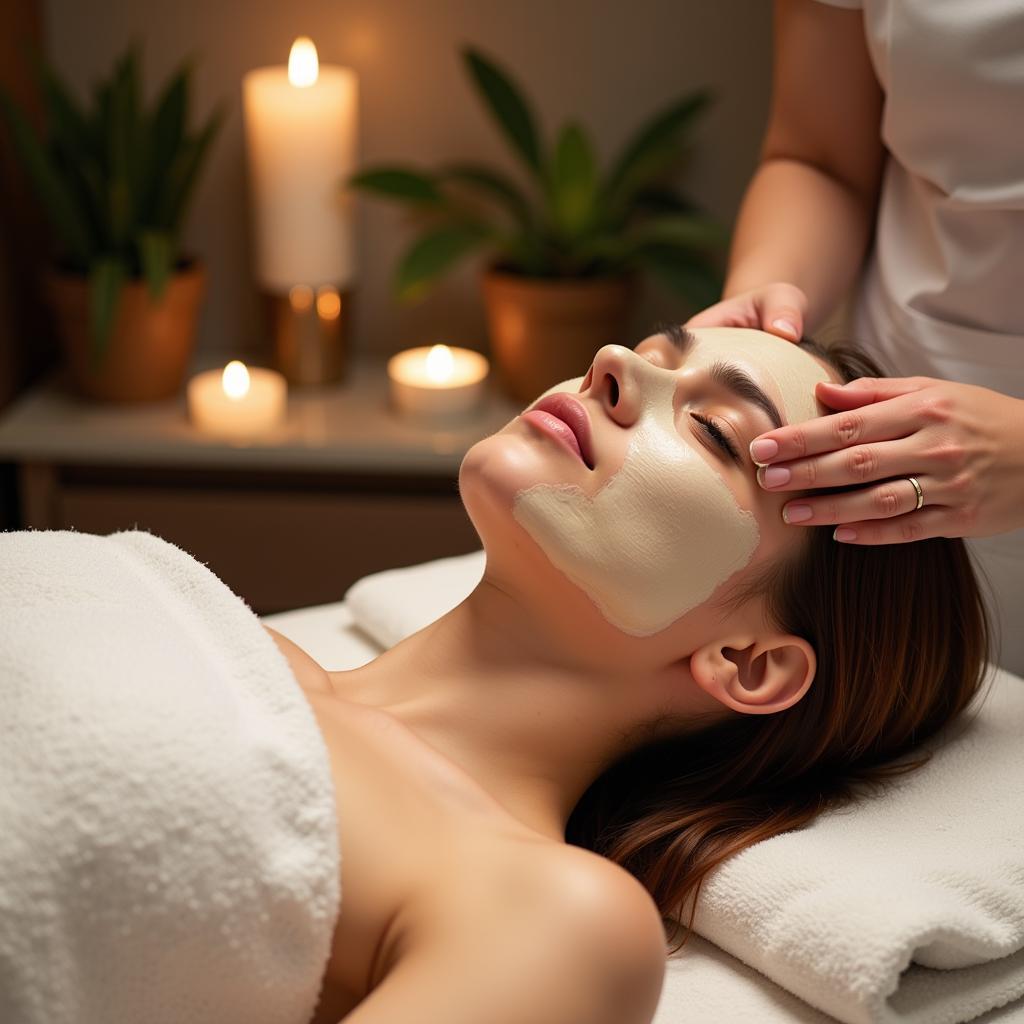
x,y
328,303
235,380
440,363
303,64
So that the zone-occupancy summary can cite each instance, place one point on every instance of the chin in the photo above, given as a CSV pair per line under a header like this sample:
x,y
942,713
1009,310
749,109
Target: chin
x,y
495,469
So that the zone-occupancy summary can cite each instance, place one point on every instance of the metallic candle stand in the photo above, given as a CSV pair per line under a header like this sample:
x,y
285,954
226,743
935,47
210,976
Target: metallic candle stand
x,y
311,329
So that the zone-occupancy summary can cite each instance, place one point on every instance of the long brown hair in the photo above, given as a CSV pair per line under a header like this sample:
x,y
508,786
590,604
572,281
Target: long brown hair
x,y
901,637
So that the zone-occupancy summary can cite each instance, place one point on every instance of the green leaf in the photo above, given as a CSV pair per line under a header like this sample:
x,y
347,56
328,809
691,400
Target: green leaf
x,y
401,183
507,104
653,147
162,137
57,200
683,273
182,174
658,199
572,181
684,232
432,254
156,256
493,185
105,280
123,149
67,125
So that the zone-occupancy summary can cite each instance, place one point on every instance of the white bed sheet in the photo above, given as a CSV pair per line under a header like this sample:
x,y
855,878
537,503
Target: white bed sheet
x,y
703,984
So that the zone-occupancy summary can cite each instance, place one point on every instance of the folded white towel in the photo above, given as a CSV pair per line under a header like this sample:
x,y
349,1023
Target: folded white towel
x,y
907,906
168,835
395,603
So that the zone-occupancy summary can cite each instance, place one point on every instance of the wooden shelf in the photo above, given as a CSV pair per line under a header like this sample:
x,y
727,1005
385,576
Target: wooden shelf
x,y
345,487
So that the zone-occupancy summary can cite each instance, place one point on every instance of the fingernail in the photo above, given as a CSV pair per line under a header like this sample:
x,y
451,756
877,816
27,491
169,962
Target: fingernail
x,y
762,451
797,513
844,533
774,476
785,325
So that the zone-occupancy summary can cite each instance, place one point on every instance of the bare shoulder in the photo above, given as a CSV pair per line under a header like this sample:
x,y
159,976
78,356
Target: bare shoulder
x,y
309,673
552,938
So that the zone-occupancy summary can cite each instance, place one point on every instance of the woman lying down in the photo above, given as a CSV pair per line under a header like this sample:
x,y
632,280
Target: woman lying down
x,y
496,819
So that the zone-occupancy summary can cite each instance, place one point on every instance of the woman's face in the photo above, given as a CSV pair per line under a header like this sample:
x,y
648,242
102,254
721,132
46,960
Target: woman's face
x,y
660,516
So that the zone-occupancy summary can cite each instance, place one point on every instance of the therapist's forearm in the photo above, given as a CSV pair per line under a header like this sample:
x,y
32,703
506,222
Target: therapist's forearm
x,y
800,225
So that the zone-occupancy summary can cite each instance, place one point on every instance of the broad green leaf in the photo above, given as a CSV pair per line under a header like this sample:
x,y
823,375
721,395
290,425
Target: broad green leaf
x,y
572,180
105,280
402,183
182,174
652,147
683,273
493,185
156,257
432,254
66,218
508,106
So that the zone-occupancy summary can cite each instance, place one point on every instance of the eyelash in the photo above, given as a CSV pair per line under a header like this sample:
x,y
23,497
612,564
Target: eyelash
x,y
718,435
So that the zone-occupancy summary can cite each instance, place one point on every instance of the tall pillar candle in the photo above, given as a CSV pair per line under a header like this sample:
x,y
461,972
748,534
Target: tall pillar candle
x,y
300,130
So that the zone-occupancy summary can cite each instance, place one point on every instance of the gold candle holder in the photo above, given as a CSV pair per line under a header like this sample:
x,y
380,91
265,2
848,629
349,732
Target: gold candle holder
x,y
311,329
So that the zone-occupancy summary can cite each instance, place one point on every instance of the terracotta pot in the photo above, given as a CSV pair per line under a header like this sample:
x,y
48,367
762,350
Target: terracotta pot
x,y
544,331
150,344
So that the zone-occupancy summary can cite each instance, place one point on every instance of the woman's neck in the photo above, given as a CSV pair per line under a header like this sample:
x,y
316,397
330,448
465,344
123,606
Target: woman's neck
x,y
519,710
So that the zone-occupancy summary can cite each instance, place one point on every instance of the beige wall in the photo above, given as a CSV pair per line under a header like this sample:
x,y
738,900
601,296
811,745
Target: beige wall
x,y
609,62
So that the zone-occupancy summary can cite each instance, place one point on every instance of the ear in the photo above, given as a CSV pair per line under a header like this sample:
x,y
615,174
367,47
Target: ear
x,y
755,675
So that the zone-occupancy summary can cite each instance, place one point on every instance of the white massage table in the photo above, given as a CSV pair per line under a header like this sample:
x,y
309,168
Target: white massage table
x,y
703,984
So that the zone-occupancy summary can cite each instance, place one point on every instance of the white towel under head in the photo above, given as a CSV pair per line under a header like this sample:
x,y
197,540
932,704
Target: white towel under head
x,y
168,834
906,907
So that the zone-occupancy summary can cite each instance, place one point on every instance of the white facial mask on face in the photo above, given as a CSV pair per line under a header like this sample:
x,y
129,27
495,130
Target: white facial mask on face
x,y
658,538
792,370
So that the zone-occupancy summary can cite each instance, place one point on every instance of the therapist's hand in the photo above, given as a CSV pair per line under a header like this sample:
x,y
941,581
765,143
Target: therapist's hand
x,y
777,308
964,445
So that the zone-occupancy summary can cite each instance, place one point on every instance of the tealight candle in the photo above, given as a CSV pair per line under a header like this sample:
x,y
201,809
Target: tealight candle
x,y
237,402
437,382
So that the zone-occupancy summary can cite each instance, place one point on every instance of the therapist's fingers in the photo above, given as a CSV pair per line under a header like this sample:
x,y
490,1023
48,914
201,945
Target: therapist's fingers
x,y
865,390
860,464
919,525
894,497
885,421
777,308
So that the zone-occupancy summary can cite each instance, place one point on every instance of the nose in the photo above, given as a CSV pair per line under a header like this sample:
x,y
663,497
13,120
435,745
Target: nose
x,y
613,380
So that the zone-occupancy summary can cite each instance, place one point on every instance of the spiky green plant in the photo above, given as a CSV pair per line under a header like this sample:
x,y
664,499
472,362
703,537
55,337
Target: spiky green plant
x,y
571,221
114,179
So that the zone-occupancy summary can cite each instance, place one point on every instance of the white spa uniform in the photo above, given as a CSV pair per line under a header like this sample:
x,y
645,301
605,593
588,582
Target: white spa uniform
x,y
942,292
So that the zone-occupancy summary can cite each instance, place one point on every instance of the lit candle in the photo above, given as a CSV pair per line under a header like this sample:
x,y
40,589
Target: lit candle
x,y
237,402
300,129
437,382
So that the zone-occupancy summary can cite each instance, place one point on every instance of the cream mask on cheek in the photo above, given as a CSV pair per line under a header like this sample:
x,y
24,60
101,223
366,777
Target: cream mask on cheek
x,y
658,538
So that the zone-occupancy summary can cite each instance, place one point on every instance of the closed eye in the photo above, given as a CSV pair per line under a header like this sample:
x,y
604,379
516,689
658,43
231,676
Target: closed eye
x,y
719,436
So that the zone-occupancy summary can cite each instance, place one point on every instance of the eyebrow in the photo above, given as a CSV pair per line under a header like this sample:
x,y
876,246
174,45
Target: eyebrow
x,y
727,375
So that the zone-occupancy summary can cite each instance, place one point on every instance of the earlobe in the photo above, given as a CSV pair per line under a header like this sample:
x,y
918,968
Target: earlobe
x,y
756,676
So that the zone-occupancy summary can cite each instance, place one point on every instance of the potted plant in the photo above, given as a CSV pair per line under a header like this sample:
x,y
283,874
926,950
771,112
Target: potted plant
x,y
567,249
115,181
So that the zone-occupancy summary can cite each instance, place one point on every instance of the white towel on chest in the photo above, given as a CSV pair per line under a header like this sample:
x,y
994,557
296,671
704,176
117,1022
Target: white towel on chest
x,y
168,834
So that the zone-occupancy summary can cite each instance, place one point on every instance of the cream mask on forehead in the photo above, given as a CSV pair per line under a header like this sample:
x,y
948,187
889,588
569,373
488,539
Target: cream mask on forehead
x,y
791,370
658,538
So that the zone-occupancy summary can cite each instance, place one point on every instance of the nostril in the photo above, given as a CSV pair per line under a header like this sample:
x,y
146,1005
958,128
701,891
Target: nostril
x,y
614,390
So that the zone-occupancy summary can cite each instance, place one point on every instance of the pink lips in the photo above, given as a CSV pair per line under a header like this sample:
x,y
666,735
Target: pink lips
x,y
565,419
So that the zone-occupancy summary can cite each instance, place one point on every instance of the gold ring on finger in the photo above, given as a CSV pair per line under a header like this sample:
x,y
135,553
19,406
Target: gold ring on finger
x,y
920,493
